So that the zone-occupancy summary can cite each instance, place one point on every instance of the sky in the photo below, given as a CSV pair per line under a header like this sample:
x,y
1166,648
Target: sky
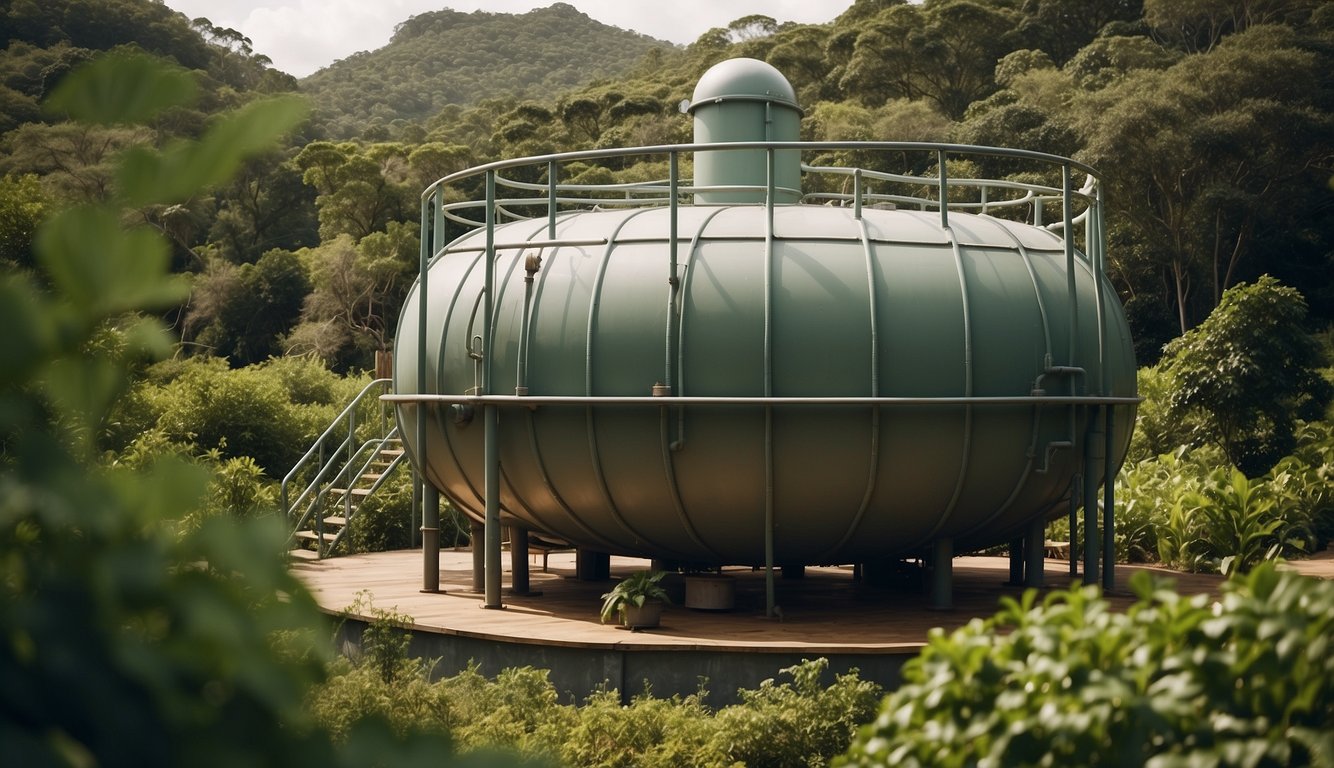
x,y
301,36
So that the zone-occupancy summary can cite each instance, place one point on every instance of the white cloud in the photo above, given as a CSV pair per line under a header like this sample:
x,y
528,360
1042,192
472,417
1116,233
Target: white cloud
x,y
301,36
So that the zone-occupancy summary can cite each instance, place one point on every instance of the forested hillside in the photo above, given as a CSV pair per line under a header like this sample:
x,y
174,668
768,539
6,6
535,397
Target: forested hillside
x,y
1213,123
447,57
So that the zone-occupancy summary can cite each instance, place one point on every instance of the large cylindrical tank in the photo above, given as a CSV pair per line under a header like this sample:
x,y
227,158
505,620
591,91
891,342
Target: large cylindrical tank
x,y
823,302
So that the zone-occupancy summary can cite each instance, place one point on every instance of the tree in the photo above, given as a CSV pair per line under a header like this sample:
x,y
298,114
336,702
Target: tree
x,y
22,207
266,206
1199,25
358,291
242,312
1247,373
1201,154
360,188
1062,27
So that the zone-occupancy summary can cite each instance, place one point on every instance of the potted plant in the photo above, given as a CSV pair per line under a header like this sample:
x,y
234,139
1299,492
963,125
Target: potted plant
x,y
638,598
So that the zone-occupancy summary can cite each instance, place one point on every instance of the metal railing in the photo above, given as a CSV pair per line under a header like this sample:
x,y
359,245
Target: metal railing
x,y
328,459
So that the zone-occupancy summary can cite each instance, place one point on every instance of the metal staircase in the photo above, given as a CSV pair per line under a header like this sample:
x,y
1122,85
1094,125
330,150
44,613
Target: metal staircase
x,y
346,465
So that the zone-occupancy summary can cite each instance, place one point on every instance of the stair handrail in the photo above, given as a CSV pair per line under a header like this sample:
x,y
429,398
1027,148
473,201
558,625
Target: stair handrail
x,y
376,445
348,414
346,478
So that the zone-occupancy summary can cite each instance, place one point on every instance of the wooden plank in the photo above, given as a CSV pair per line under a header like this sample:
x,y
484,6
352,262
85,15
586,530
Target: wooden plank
x,y
826,610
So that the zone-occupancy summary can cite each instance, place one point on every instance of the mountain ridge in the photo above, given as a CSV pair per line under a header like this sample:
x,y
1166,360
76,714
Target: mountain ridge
x,y
446,57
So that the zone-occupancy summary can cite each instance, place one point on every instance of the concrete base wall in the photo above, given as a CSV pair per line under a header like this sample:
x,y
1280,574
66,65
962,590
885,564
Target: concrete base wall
x,y
578,672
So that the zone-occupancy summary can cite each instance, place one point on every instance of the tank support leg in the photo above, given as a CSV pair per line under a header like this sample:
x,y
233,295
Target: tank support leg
x,y
492,478
1016,562
942,575
1093,449
591,566
1109,509
1075,485
477,532
1035,554
430,538
519,560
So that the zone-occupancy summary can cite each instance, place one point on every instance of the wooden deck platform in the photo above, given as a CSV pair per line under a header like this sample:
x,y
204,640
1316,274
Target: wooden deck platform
x,y
824,613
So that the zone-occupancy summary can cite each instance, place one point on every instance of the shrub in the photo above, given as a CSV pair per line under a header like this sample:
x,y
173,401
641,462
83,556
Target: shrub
x,y
1241,524
802,723
1249,371
1248,680
383,520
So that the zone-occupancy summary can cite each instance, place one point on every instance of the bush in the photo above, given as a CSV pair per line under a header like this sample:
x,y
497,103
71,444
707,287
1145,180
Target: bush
x,y
1249,372
797,723
1248,680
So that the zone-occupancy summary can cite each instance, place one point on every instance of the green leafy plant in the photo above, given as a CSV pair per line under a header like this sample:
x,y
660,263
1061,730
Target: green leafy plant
x,y
1249,372
1242,524
1246,680
634,590
125,640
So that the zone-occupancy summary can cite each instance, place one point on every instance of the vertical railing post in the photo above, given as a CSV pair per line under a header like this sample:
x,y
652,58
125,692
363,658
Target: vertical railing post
x,y
857,193
770,599
1109,507
673,278
1093,448
491,419
943,180
424,492
551,199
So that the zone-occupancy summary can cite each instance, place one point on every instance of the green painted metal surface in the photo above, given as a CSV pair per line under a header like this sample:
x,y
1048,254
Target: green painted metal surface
x,y
904,312
745,100
971,350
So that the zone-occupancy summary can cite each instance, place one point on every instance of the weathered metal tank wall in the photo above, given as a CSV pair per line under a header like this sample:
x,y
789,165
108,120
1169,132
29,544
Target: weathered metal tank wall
x,y
839,382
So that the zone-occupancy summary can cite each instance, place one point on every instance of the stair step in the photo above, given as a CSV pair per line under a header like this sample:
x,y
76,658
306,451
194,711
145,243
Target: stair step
x,y
335,520
372,476
302,554
313,536
391,451
362,492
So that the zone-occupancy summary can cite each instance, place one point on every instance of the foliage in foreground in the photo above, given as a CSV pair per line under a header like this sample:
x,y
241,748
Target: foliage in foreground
x,y
126,638
1185,511
799,722
1248,680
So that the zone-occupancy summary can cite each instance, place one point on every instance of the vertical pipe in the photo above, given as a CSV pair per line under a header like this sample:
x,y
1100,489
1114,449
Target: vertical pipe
x,y
430,560
1092,543
857,193
1068,238
491,417
1035,554
944,190
519,582
430,538
1075,486
673,279
551,200
942,574
477,533
769,597
1109,508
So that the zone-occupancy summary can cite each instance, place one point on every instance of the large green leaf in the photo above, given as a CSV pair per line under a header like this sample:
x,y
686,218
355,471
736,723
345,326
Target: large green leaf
x,y
122,88
147,177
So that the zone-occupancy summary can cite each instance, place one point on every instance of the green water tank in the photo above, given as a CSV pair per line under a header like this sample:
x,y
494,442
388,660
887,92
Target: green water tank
x,y
783,301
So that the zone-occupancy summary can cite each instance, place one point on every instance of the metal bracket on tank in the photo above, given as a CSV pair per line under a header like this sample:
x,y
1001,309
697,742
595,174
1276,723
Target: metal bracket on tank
x,y
1038,391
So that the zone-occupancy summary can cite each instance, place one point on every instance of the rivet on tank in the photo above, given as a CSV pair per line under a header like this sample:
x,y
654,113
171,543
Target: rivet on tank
x,y
769,358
